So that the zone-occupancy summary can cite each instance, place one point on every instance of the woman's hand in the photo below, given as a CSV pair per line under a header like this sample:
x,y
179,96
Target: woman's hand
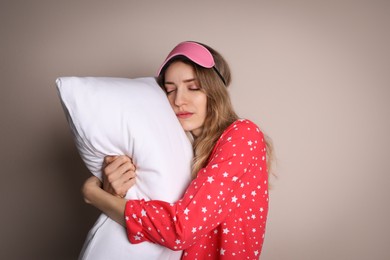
x,y
118,175
112,206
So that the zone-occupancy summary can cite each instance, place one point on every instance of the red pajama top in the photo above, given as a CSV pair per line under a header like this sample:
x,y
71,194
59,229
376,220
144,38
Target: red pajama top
x,y
223,212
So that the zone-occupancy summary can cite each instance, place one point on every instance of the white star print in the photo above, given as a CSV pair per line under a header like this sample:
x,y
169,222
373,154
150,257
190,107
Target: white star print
x,y
208,199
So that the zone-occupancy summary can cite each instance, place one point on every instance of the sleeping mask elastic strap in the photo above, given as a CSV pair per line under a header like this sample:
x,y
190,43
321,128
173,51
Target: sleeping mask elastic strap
x,y
195,52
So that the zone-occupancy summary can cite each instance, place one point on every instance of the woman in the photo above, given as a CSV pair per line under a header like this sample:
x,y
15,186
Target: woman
x,y
224,210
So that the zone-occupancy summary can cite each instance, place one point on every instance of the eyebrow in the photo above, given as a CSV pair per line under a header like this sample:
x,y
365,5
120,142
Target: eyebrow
x,y
185,81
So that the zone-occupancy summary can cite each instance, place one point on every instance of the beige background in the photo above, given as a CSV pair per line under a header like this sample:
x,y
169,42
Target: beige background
x,y
313,74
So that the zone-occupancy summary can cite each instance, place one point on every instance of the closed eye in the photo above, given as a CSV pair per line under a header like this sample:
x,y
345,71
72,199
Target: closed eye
x,y
193,87
169,87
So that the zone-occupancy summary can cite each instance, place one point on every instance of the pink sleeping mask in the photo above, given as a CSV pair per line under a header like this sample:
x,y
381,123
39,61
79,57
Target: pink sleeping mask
x,y
195,52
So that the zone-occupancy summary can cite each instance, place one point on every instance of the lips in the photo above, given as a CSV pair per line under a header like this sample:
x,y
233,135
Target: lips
x,y
184,115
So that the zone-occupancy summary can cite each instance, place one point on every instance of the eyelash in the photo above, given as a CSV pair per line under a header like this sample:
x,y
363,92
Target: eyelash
x,y
191,88
194,88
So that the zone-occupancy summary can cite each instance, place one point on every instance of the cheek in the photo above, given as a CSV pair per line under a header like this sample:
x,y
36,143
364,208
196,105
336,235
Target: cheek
x,y
203,105
171,100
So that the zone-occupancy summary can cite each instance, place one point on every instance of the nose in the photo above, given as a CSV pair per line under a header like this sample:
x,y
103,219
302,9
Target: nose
x,y
181,97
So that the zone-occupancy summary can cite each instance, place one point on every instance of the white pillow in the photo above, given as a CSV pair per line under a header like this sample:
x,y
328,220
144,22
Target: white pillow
x,y
113,116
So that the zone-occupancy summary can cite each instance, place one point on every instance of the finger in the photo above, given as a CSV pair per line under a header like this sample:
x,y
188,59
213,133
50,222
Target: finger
x,y
130,165
127,176
120,188
130,183
121,184
118,159
109,158
115,164
123,169
117,180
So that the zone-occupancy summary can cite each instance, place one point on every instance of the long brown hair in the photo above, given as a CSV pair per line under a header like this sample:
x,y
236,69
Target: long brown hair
x,y
220,112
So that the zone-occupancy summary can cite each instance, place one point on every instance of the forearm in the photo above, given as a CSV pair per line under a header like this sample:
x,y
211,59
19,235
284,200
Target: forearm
x,y
110,205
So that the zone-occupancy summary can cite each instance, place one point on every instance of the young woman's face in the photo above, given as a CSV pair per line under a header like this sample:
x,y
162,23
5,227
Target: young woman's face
x,y
188,100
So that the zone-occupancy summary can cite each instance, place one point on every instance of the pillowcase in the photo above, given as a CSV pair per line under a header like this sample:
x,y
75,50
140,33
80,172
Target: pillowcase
x,y
116,116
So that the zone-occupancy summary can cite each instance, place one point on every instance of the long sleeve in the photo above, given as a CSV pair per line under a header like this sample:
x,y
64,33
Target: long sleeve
x,y
232,188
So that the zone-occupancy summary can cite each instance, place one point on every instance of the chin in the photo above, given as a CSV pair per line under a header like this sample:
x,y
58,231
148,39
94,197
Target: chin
x,y
186,127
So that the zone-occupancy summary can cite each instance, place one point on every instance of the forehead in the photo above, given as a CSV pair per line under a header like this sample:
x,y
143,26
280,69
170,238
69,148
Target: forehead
x,y
179,70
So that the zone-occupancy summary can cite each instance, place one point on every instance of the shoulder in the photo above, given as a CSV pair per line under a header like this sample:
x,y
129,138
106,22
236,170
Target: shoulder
x,y
242,128
242,140
241,134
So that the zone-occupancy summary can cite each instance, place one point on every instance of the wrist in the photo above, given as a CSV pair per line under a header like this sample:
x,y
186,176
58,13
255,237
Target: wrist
x,y
90,189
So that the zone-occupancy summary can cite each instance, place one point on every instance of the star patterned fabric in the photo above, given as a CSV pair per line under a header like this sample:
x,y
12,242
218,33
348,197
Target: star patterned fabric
x,y
223,212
